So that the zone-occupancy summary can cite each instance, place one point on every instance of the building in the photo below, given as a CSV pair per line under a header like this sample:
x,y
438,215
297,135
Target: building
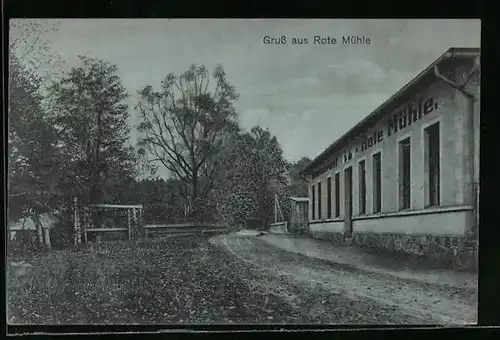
x,y
407,176
298,214
27,226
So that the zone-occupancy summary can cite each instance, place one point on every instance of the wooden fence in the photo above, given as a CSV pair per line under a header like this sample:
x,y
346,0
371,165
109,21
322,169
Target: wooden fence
x,y
183,229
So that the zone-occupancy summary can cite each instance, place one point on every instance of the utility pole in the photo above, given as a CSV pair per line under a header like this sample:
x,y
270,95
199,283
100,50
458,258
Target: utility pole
x,y
275,209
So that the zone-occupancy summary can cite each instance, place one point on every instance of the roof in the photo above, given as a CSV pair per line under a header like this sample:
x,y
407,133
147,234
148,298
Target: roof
x,y
379,111
300,199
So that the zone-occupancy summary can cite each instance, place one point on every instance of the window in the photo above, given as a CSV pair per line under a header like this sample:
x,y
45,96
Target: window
x,y
404,174
433,166
377,183
348,192
329,198
313,188
362,187
337,195
319,201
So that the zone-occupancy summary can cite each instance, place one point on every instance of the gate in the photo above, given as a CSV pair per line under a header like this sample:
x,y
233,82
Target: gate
x,y
107,222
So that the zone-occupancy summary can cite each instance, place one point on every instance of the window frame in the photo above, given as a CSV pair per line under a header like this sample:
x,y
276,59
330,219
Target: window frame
x,y
329,197
400,180
362,184
337,206
426,162
380,193
313,208
320,212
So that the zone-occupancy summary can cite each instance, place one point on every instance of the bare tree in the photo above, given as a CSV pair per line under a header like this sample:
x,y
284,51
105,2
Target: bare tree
x,y
29,43
184,127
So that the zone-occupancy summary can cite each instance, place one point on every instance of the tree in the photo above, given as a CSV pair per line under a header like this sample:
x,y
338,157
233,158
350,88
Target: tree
x,y
185,126
256,172
161,199
299,185
92,123
87,111
272,174
32,141
32,151
236,191
28,43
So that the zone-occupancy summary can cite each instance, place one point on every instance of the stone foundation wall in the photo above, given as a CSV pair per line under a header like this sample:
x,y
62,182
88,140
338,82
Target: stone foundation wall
x,y
448,249
453,251
336,238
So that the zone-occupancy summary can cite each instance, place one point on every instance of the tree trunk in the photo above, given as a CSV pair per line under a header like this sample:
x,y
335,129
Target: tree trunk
x,y
39,228
194,196
76,221
47,238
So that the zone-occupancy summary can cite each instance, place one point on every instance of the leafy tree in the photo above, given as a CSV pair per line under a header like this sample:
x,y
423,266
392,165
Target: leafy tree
x,y
185,125
257,173
88,112
31,138
161,199
236,190
92,122
32,150
299,186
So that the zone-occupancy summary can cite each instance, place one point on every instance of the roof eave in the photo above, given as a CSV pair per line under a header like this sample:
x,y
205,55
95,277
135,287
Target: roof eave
x,y
452,52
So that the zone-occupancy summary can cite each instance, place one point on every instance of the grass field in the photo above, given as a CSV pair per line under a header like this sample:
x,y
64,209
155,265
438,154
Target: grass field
x,y
228,279
177,280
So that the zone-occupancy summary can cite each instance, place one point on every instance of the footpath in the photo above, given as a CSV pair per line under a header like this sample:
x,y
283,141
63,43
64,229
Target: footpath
x,y
371,261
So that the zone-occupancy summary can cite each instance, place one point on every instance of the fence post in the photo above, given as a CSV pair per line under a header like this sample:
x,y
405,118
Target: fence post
x,y
79,235
141,224
141,217
129,230
136,224
85,223
76,221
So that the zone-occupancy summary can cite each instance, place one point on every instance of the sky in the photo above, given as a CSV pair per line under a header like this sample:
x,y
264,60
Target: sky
x,y
307,95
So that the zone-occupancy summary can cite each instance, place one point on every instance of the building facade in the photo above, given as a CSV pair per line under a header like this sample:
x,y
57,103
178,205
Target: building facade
x,y
407,176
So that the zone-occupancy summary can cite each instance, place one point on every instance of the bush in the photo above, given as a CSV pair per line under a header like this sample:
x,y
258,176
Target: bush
x,y
24,244
61,235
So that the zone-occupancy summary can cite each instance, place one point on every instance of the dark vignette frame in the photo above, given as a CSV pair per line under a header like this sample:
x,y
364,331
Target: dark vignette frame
x,y
489,293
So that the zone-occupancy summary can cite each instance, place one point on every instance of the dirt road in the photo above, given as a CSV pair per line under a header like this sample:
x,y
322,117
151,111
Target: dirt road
x,y
335,293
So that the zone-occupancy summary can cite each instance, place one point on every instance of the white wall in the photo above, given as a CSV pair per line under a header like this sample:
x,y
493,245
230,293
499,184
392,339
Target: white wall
x,y
452,223
327,227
